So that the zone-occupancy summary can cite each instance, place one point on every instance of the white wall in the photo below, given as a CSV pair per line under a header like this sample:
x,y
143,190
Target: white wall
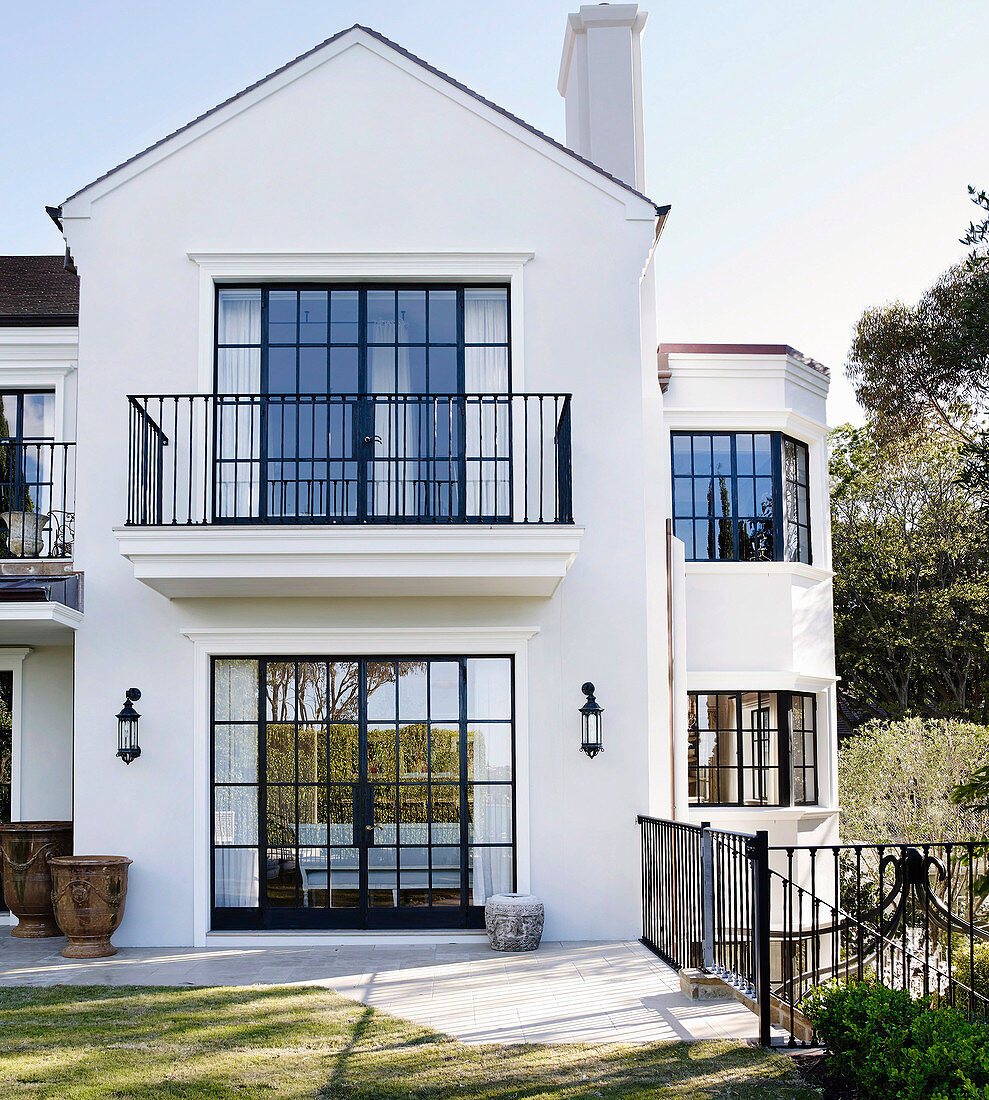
x,y
45,778
361,155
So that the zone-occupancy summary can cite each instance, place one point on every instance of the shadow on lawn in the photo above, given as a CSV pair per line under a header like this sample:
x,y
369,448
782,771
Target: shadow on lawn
x,y
297,1042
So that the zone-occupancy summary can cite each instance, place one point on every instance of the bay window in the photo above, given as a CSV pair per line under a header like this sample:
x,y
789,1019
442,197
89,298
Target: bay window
x,y
741,496
752,748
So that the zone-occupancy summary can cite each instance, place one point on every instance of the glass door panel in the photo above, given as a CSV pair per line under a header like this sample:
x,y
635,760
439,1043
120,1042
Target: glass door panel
x,y
361,793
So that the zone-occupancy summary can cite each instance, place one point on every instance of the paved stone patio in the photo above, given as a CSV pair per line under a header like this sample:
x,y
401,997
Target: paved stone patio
x,y
564,992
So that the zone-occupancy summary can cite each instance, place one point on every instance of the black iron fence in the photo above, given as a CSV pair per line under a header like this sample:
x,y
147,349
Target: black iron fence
x,y
327,458
37,499
774,923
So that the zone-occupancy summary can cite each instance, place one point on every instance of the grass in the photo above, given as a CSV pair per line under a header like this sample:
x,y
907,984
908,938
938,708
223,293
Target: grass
x,y
286,1043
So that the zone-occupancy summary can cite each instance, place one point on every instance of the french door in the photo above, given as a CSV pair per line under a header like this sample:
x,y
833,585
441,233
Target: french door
x,y
361,792
374,404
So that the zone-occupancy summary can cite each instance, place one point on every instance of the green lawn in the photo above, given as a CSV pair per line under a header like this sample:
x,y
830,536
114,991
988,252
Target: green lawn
x,y
280,1043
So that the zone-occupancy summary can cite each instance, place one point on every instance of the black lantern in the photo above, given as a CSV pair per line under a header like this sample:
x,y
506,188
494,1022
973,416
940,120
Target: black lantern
x,y
128,747
590,723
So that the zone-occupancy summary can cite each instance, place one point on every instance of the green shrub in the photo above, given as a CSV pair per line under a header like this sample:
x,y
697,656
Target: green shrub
x,y
864,1028
883,1044
962,969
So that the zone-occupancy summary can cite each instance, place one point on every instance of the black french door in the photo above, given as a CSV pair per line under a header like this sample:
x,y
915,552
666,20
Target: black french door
x,y
368,404
361,792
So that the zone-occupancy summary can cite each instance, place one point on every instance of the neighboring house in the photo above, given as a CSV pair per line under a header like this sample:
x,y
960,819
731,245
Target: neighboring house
x,y
362,448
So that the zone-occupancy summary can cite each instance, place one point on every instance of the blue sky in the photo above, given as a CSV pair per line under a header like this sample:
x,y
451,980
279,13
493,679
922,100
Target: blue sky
x,y
816,154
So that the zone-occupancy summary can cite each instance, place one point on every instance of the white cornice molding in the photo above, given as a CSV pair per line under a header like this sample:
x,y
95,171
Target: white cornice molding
x,y
46,336
713,682
10,655
786,420
757,814
773,368
454,560
368,265
240,640
758,569
34,611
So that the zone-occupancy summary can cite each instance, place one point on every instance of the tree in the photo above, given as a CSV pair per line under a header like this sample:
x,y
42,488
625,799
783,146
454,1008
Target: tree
x,y
911,586
929,363
896,781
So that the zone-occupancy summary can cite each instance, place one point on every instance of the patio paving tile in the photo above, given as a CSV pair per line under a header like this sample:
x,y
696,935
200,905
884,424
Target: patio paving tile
x,y
564,992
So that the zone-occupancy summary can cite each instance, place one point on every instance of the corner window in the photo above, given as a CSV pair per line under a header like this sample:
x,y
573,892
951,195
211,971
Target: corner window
x,y
752,748
741,496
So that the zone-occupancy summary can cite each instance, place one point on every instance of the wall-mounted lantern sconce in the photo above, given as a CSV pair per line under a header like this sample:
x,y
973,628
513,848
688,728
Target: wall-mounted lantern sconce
x,y
128,745
590,723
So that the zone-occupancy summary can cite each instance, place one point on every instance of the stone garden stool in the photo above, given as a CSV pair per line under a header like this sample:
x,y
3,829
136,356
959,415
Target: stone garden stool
x,y
514,922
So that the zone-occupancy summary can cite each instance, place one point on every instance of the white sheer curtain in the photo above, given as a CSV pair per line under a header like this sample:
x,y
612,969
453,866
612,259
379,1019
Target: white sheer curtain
x,y
236,878
486,372
238,371
489,695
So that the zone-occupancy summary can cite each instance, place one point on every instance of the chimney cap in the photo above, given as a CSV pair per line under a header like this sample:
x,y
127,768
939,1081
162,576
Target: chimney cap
x,y
596,16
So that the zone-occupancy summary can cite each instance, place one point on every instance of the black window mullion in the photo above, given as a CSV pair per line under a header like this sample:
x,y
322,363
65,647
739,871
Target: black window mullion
x,y
779,498
262,785
736,539
365,412
298,808
263,414
462,418
362,793
784,709
465,779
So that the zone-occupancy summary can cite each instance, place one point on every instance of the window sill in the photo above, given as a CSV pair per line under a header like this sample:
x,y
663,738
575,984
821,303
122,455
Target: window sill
x,y
713,812
756,568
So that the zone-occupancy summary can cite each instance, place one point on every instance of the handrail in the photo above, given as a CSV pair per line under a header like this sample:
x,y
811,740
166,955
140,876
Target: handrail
x,y
135,401
349,458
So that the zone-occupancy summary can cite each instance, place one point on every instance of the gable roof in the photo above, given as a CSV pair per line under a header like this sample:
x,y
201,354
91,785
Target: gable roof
x,y
410,57
37,290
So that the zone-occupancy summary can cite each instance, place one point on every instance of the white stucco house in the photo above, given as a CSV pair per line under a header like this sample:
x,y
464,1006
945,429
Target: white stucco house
x,y
358,456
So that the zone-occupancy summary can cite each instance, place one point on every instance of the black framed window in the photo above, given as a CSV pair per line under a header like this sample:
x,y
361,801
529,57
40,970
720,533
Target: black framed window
x,y
371,403
752,748
741,496
397,339
361,792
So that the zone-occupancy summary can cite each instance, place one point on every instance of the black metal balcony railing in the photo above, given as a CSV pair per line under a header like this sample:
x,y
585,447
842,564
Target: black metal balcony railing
x,y
325,458
37,499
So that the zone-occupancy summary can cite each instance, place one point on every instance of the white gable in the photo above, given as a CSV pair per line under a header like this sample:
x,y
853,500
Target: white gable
x,y
328,53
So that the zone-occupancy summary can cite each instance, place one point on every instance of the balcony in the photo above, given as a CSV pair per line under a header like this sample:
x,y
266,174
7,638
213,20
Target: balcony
x,y
37,502
379,494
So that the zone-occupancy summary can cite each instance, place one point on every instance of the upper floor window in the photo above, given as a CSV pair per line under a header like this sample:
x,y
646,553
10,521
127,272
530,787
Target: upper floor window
x,y
741,496
362,340
752,748
27,414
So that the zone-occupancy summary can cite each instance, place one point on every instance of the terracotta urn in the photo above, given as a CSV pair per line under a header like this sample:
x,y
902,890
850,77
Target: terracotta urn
x,y
88,893
25,849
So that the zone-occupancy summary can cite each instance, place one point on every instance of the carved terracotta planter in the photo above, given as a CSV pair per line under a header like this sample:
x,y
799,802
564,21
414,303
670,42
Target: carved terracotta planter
x,y
89,893
25,849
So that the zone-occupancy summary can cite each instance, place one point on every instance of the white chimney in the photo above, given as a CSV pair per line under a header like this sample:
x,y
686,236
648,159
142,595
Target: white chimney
x,y
601,81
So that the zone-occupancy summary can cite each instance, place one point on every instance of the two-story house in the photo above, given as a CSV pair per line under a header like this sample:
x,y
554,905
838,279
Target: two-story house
x,y
358,440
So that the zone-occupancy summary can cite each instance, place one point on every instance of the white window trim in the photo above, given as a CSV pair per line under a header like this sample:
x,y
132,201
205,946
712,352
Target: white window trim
x,y
12,660
269,267
24,376
251,641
